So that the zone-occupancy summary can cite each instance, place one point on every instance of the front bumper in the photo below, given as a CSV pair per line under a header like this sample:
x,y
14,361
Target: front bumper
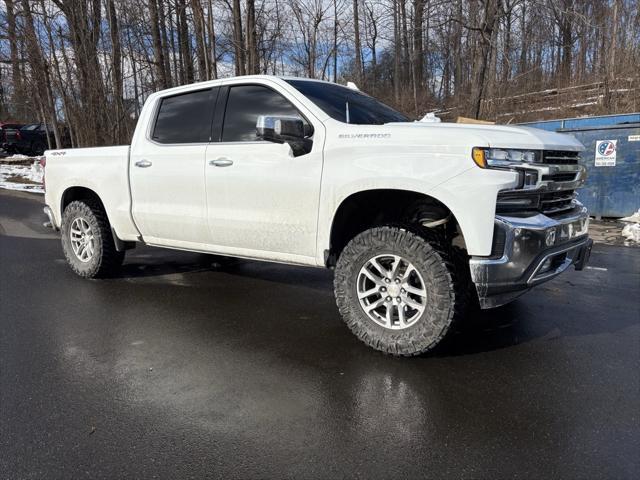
x,y
531,250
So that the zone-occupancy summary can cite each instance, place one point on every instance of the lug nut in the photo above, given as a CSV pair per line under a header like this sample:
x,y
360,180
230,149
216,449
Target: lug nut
x,y
383,289
387,280
398,299
388,299
397,280
402,290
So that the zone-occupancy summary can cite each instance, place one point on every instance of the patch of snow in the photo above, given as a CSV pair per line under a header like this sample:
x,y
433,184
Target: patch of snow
x,y
632,232
31,174
583,104
635,218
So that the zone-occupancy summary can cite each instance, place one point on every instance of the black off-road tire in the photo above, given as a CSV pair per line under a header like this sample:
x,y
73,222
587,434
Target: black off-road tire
x,y
106,259
435,267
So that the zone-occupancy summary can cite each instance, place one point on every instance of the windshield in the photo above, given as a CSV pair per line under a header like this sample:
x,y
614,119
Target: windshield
x,y
347,105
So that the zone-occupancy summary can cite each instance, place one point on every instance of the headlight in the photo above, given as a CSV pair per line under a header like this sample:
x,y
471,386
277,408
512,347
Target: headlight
x,y
502,157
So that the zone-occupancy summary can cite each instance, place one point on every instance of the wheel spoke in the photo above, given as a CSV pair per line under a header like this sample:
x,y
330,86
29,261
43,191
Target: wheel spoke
x,y
413,304
370,275
389,314
368,293
383,271
397,261
374,305
415,291
407,273
401,316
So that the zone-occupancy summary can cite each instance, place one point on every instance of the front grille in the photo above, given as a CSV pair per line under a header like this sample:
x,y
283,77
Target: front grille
x,y
560,157
556,202
556,190
561,177
548,203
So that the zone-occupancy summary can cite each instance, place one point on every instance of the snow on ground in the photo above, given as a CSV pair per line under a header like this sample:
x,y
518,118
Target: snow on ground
x,y
26,178
631,230
16,157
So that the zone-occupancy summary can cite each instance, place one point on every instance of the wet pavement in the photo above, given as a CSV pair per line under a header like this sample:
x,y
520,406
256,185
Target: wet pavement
x,y
183,368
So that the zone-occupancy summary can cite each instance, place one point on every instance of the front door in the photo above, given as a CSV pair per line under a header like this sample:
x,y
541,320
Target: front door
x,y
262,200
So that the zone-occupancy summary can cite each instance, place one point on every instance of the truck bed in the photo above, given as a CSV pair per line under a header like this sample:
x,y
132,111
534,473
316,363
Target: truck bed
x,y
105,170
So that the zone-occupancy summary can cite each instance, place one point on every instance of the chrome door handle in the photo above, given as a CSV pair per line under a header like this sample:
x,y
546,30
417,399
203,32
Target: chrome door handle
x,y
143,163
221,162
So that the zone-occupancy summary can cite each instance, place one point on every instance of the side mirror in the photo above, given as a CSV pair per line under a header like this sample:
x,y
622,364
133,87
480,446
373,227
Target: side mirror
x,y
291,130
281,129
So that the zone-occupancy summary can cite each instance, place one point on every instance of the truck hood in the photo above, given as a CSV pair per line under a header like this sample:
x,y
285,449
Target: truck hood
x,y
497,136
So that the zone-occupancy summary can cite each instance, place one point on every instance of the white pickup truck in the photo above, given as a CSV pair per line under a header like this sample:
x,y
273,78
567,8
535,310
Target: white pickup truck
x,y
420,220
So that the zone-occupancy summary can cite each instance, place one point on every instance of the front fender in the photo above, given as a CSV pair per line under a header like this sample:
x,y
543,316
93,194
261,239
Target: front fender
x,y
470,196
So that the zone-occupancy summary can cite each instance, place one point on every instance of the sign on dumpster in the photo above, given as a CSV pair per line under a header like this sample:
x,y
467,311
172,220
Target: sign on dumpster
x,y
606,153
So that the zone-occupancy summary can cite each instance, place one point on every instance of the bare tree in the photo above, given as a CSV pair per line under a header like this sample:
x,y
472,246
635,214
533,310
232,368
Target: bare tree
x,y
86,67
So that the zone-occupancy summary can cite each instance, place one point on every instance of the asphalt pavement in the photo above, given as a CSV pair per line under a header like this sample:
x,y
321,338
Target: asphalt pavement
x,y
183,368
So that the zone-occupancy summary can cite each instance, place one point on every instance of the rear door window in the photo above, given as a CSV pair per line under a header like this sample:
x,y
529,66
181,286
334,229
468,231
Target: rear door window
x,y
185,118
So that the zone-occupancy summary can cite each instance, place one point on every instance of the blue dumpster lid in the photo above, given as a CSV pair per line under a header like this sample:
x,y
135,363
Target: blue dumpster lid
x,y
586,123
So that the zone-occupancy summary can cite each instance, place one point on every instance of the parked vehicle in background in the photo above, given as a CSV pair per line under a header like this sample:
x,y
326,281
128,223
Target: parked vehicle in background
x,y
30,139
420,220
8,129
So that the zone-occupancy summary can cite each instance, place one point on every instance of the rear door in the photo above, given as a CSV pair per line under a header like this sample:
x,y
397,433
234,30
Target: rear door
x,y
167,171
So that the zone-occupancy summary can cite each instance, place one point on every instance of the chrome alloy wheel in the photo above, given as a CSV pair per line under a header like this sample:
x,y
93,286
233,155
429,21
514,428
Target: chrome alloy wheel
x,y
82,239
391,291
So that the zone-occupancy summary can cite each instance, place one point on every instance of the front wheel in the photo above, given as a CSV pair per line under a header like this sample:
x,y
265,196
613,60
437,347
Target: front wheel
x,y
395,291
87,241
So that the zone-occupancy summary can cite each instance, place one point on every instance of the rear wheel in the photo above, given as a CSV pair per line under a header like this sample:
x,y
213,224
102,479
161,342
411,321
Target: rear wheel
x,y
87,241
395,291
38,148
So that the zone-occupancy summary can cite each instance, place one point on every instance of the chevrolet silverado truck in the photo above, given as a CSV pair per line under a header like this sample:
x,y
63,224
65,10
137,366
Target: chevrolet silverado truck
x,y
421,221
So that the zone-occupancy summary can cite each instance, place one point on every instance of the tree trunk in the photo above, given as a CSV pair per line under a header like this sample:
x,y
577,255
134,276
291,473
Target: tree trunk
x,y
212,42
18,109
418,49
184,42
357,45
253,65
458,83
159,62
238,38
336,24
116,72
201,40
397,52
483,56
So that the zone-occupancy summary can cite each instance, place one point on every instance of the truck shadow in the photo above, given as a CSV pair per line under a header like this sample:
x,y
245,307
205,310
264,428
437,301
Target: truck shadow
x,y
570,306
487,330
